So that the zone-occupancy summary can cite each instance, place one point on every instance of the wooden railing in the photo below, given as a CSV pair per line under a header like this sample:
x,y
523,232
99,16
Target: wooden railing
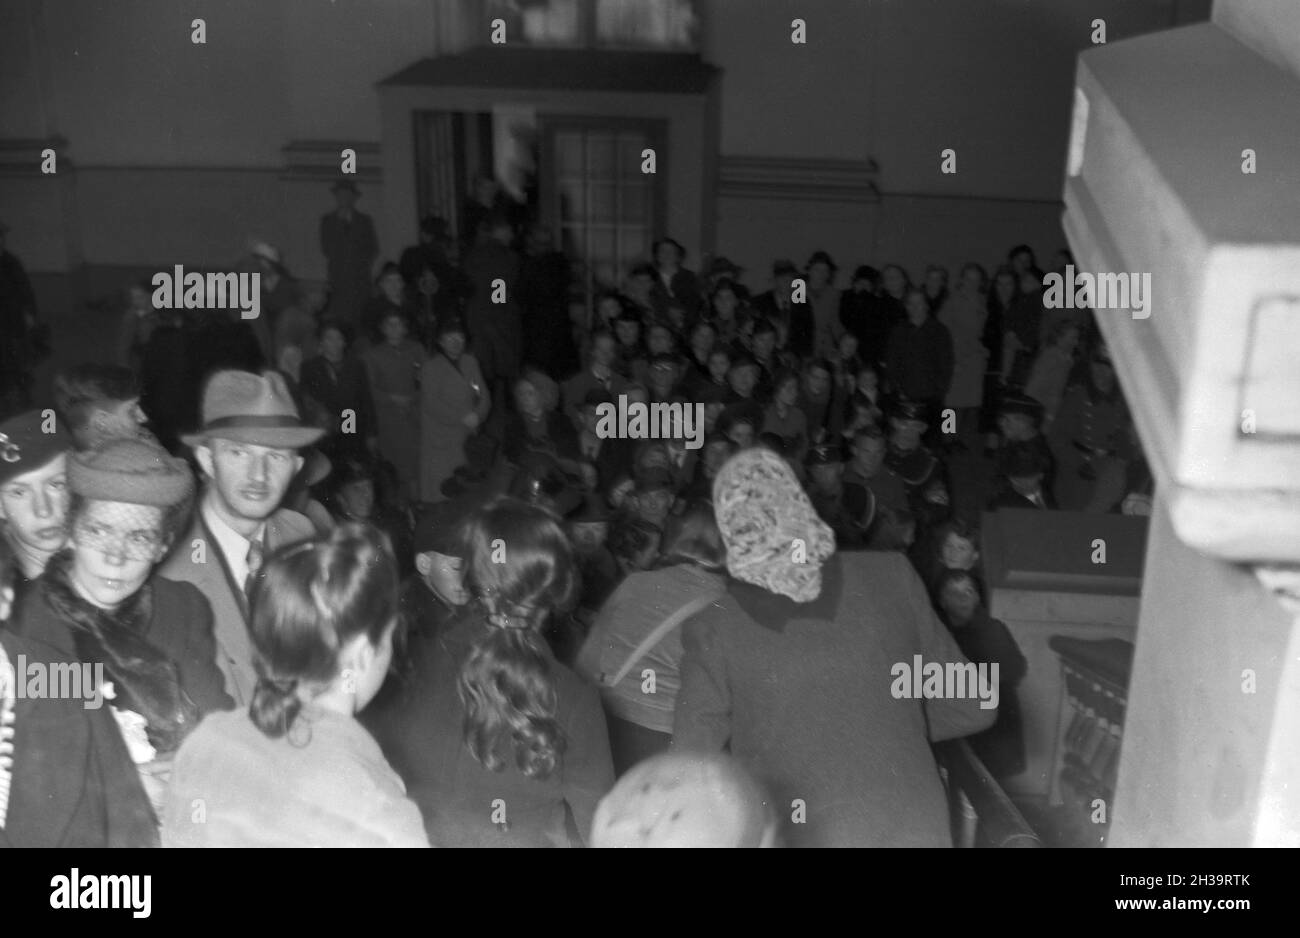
x,y
982,814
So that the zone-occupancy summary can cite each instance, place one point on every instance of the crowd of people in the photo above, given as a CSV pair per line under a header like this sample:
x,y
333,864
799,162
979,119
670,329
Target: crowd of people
x,y
366,571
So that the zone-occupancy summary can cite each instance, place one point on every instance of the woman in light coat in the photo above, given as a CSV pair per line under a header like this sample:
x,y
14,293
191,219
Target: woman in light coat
x,y
454,402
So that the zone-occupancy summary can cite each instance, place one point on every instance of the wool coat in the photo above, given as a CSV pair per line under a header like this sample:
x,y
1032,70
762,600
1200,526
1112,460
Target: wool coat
x,y
804,695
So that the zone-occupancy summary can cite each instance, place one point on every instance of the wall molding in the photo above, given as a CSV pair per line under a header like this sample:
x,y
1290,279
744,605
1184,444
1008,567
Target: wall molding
x,y
21,156
801,179
318,161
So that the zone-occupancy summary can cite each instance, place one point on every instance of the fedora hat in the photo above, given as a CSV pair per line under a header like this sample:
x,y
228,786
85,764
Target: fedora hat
x,y
249,408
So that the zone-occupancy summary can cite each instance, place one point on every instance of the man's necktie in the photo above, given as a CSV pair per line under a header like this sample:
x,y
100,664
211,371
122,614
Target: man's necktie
x,y
254,566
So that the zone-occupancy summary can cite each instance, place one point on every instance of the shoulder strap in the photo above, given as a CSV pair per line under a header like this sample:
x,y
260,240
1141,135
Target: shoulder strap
x,y
657,635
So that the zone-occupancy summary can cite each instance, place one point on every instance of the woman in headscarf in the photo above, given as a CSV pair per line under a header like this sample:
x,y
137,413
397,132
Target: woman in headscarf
x,y
795,667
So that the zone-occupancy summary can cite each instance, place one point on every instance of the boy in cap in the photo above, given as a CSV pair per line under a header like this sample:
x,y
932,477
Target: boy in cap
x,y
248,451
99,403
652,498
33,490
794,321
838,505
1020,421
1021,470
437,592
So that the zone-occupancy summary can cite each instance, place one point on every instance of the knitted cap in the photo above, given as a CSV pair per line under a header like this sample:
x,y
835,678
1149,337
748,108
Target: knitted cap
x,y
133,471
773,535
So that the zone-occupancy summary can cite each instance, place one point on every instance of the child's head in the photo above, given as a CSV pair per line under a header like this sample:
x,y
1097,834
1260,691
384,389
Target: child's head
x,y
958,592
654,495
589,525
957,544
440,554
393,327
99,403
634,543
322,621
353,490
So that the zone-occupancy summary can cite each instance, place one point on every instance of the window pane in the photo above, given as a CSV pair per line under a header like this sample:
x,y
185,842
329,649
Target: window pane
x,y
573,207
636,203
600,156
603,204
568,154
629,155
573,243
600,245
634,245
552,22
656,24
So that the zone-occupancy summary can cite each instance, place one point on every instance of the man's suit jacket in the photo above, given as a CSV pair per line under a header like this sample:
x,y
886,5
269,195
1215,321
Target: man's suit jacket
x,y
207,569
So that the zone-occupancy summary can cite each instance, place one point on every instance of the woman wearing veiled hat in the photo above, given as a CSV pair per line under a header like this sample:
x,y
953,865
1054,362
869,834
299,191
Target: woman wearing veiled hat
x,y
100,601
793,668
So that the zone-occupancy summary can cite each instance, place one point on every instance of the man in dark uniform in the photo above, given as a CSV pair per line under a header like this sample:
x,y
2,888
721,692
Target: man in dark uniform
x,y
794,321
838,505
887,519
1020,421
1021,470
350,246
924,475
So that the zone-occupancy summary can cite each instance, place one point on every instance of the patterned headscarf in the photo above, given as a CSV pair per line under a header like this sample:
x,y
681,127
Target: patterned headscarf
x,y
773,535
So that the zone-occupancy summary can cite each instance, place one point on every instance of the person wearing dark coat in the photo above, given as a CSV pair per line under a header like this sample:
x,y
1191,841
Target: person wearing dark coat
x,y
985,640
919,358
1021,471
863,314
794,321
335,390
350,246
495,329
543,293
796,668
674,285
479,780
430,252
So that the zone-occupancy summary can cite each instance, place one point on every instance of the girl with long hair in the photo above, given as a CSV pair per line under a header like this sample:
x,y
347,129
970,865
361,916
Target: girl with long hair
x,y
296,769
502,745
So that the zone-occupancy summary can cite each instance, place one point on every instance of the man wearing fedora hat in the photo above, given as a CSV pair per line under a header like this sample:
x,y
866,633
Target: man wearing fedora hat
x,y
33,490
350,246
248,449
